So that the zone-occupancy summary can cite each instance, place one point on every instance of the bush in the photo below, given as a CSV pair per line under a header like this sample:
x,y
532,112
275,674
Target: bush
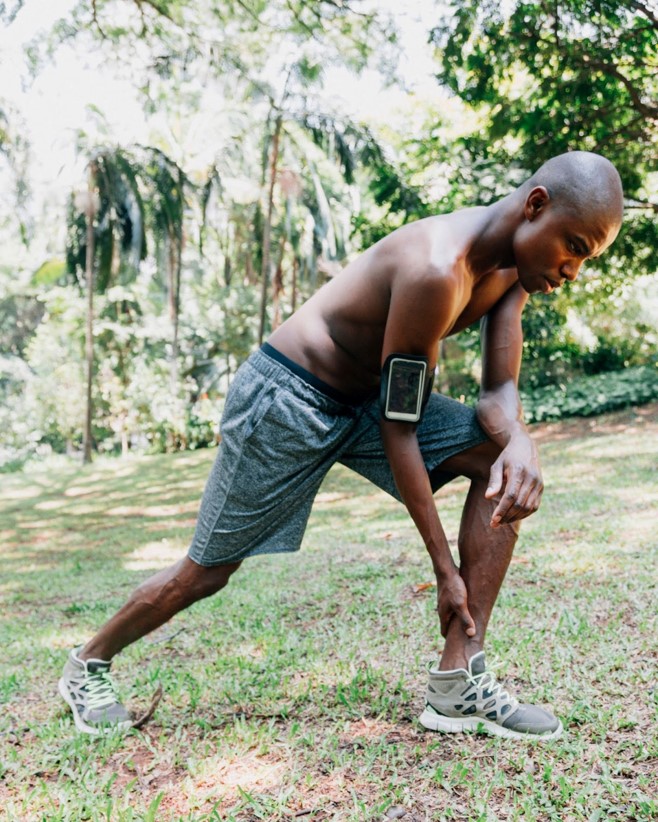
x,y
588,396
613,354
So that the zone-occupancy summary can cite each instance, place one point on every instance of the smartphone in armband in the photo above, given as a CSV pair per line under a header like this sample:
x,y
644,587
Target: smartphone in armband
x,y
403,387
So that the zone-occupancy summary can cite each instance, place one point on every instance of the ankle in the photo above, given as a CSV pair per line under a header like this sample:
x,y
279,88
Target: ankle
x,y
454,658
90,651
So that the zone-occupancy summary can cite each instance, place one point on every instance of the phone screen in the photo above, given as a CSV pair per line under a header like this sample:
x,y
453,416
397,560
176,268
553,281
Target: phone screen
x,y
405,388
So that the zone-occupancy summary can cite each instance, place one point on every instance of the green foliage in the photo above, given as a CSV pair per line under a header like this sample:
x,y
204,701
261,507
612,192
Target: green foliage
x,y
120,238
9,10
166,185
578,74
612,354
20,315
543,80
589,396
43,401
180,241
548,79
14,158
237,36
49,273
4,132
550,353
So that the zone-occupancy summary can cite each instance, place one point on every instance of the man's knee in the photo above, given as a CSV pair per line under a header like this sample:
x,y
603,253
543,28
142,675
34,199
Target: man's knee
x,y
202,581
474,463
183,584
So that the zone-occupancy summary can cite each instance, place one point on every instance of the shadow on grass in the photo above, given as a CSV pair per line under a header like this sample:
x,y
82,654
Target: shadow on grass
x,y
296,689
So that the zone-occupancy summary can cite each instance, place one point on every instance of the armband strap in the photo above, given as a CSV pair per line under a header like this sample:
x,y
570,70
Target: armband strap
x,y
406,385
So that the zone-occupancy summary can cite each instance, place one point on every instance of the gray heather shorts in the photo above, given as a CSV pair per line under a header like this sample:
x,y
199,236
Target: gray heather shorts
x,y
282,430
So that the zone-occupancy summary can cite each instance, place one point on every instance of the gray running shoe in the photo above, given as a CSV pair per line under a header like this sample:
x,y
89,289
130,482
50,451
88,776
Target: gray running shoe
x,y
88,688
472,700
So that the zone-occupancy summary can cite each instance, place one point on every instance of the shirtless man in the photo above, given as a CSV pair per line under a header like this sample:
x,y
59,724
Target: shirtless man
x,y
309,398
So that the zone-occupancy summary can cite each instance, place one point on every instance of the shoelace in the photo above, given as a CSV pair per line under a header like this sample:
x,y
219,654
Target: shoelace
x,y
488,680
100,690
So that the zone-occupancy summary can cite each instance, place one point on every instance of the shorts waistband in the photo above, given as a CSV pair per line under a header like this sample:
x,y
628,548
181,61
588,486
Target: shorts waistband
x,y
302,373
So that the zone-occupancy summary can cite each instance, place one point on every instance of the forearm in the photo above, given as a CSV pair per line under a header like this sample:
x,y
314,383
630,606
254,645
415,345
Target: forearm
x,y
410,474
515,478
411,478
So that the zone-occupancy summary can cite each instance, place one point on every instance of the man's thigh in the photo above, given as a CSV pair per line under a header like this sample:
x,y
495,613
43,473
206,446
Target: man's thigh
x,y
279,439
448,428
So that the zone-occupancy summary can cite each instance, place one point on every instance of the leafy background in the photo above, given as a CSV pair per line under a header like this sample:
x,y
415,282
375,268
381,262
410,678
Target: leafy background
x,y
128,300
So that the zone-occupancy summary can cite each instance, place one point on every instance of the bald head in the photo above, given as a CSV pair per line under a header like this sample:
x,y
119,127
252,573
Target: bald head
x,y
583,183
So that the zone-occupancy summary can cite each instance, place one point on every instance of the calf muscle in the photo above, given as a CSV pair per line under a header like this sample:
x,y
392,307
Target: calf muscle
x,y
155,602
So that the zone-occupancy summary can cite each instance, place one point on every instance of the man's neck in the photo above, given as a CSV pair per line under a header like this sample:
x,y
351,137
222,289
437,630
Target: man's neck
x,y
493,245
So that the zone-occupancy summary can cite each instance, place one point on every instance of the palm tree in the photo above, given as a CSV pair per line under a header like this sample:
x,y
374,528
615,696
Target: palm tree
x,y
322,152
106,241
167,184
130,193
284,116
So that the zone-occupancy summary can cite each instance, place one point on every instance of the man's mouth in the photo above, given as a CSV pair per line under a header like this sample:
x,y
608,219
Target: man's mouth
x,y
549,286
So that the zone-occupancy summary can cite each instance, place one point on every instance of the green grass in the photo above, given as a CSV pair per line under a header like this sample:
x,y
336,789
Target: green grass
x,y
294,693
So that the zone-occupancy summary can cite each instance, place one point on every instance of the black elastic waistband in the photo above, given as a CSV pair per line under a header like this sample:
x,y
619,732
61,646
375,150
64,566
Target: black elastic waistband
x,y
311,379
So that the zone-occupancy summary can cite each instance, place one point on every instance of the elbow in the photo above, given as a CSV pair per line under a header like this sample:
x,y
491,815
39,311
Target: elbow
x,y
500,402
488,403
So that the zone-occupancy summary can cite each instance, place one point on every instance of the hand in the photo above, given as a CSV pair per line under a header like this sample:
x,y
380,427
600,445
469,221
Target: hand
x,y
453,602
515,479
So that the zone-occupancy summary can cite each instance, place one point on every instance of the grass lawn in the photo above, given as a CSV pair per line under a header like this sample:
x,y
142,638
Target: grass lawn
x,y
295,692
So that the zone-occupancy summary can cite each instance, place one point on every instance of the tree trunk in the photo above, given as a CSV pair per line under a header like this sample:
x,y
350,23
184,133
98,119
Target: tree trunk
x,y
175,267
249,268
267,229
295,268
90,213
277,288
444,381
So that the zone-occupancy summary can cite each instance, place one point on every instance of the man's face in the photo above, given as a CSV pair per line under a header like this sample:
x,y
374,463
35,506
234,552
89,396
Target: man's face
x,y
553,242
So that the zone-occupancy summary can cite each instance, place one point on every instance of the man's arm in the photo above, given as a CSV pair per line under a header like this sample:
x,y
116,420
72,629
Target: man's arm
x,y
419,314
515,476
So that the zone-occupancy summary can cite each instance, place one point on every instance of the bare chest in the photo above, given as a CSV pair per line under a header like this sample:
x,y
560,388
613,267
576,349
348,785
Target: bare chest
x,y
482,298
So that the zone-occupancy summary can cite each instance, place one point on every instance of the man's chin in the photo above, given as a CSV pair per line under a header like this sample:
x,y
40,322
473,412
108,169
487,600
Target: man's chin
x,y
531,286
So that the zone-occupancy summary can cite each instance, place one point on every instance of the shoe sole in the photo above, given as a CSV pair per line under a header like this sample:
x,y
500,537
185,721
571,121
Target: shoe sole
x,y
80,724
452,725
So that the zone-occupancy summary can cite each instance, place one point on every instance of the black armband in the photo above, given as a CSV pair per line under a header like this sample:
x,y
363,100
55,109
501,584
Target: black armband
x,y
405,387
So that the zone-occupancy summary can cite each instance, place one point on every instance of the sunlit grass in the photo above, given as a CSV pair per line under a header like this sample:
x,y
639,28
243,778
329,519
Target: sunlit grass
x,y
296,690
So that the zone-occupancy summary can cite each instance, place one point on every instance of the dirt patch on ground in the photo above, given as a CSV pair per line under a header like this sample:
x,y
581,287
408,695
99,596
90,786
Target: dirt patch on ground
x,y
638,418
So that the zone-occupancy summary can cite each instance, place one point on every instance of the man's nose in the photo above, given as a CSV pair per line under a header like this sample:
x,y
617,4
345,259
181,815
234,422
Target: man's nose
x,y
570,270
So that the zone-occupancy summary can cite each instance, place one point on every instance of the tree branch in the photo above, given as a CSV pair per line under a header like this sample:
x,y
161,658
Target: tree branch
x,y
94,14
251,13
298,17
343,6
152,4
622,131
640,204
647,12
612,70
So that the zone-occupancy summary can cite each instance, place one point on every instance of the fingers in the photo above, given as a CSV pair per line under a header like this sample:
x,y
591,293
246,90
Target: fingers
x,y
520,499
445,618
464,616
467,621
453,602
495,480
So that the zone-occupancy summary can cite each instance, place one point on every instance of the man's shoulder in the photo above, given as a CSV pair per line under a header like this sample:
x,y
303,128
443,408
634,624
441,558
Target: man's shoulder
x,y
425,253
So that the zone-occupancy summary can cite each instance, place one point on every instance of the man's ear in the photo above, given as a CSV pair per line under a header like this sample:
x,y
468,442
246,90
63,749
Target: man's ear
x,y
535,202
